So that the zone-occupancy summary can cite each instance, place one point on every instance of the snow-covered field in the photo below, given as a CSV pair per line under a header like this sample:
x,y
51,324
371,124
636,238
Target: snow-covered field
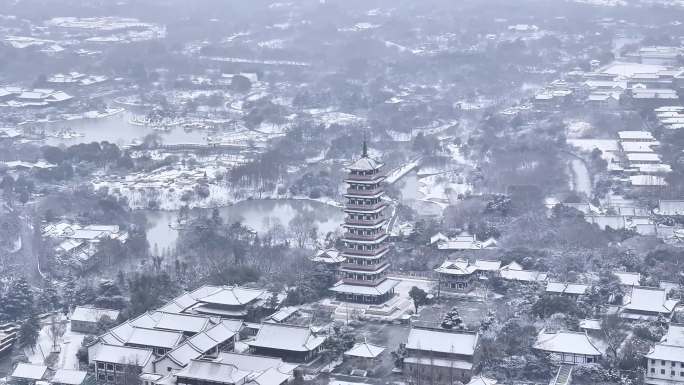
x,y
67,346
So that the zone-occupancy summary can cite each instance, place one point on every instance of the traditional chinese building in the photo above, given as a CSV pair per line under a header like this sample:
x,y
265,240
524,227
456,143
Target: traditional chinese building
x,y
363,273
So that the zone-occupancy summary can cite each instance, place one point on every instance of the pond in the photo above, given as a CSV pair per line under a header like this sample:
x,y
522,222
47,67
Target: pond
x,y
409,187
253,213
118,130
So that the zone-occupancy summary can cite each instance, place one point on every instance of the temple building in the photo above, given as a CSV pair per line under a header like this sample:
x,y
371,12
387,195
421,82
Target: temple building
x,y
363,273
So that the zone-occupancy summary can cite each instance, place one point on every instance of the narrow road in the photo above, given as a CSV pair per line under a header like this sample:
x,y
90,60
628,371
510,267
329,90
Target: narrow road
x,y
581,179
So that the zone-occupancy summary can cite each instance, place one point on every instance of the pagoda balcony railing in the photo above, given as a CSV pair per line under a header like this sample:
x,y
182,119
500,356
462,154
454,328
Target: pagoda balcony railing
x,y
365,253
353,266
360,237
365,222
366,178
373,282
375,191
373,206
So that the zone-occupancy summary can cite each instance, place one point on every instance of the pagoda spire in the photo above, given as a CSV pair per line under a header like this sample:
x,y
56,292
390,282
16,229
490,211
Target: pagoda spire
x,y
364,153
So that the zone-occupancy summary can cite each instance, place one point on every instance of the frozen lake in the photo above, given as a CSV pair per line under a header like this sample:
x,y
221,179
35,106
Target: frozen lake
x,y
117,129
409,186
255,214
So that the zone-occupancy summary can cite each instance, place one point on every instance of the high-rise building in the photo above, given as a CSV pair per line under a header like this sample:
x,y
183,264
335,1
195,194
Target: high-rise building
x,y
364,272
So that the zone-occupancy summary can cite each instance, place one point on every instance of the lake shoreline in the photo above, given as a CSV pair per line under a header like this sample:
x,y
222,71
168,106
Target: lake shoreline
x,y
257,214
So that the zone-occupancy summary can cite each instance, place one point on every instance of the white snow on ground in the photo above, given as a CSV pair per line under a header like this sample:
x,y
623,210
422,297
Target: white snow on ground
x,y
71,342
68,345
405,285
43,346
435,190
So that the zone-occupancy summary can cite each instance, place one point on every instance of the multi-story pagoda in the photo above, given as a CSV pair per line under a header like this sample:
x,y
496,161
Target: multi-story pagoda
x,y
364,277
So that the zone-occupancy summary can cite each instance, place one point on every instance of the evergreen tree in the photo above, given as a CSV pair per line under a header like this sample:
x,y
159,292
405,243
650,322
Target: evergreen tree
x,y
18,303
49,299
28,333
109,296
85,294
148,291
419,297
69,292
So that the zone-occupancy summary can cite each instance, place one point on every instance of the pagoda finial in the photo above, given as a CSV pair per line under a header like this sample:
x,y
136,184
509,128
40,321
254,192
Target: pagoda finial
x,y
365,149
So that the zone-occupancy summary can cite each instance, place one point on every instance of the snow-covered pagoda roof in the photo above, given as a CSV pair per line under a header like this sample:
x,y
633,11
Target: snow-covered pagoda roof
x,y
365,163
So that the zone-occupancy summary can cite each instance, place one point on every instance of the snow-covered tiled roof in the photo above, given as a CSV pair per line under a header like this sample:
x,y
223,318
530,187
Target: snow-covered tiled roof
x,y
202,342
590,324
365,164
642,157
254,363
155,337
328,256
566,288
442,341
365,350
286,337
93,314
29,371
628,279
650,300
211,371
627,135
69,377
183,322
284,313
666,353
383,288
205,341
456,267
487,265
184,353
232,296
271,376
566,342
523,275
512,266
674,335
